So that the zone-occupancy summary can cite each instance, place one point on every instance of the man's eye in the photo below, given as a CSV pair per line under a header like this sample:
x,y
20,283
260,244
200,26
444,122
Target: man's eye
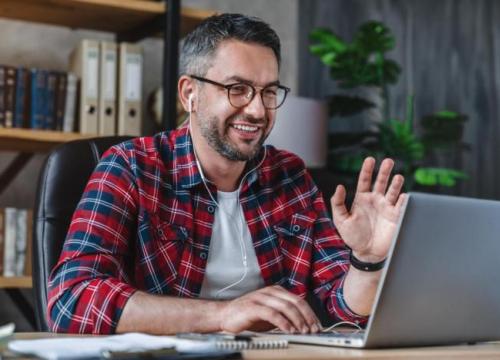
x,y
239,89
270,91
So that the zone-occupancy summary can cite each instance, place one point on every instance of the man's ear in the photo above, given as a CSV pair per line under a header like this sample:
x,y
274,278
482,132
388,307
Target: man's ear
x,y
185,88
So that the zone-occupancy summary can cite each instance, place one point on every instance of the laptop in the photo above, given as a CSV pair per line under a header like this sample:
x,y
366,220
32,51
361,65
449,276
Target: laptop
x,y
441,283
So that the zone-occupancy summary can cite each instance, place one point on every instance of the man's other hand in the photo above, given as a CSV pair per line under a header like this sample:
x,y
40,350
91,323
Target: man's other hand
x,y
268,308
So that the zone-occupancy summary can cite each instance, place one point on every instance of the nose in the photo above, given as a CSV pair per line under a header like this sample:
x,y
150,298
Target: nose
x,y
255,108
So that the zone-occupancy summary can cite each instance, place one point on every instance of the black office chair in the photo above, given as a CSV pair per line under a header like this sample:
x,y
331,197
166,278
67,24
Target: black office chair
x,y
61,184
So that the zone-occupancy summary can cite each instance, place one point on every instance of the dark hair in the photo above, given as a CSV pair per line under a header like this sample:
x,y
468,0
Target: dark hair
x,y
200,45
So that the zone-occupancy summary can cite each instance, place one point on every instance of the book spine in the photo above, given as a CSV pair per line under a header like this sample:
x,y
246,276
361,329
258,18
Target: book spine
x,y
21,110
2,96
9,260
60,101
28,268
38,98
70,106
21,240
10,95
50,101
2,236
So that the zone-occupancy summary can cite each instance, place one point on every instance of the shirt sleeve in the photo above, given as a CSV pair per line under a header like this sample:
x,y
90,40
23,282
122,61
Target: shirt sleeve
x,y
90,286
330,265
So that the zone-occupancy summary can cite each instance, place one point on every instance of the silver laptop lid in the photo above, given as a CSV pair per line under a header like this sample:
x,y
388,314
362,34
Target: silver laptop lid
x,y
442,283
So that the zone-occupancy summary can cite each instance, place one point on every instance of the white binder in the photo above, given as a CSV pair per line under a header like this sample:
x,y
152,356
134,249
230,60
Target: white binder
x,y
107,88
84,62
130,90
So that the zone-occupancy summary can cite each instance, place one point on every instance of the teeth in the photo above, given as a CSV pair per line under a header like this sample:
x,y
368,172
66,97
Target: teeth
x,y
246,128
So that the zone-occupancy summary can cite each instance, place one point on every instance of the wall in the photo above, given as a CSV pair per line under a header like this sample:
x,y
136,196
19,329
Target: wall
x,y
450,55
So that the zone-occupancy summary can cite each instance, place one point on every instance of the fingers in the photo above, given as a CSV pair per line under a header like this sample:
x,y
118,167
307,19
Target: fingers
x,y
339,210
365,175
273,305
295,308
383,176
400,203
394,191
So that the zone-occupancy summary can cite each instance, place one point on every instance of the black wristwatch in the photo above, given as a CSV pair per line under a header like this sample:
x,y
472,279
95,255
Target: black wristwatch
x,y
365,266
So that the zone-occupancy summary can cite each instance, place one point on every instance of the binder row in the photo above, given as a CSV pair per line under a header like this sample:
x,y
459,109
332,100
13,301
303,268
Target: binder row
x,y
37,98
101,94
110,88
15,241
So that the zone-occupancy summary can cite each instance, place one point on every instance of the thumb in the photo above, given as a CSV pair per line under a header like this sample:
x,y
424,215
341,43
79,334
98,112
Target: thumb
x,y
339,210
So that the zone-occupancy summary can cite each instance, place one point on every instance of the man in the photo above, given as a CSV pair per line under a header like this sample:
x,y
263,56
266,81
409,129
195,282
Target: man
x,y
205,229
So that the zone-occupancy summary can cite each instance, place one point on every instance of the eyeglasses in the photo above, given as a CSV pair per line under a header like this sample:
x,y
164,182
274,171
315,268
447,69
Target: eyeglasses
x,y
241,94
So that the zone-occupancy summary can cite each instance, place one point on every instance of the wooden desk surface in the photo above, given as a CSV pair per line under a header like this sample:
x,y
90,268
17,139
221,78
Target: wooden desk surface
x,y
308,352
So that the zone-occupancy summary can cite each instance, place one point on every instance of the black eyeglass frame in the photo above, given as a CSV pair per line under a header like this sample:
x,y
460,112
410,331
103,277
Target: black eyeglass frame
x,y
228,87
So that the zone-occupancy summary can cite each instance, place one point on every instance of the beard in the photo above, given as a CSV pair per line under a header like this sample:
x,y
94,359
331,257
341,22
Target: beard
x,y
220,142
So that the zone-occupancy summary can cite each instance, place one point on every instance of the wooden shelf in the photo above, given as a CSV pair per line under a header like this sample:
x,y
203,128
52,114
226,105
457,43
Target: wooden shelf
x,y
33,141
16,282
117,16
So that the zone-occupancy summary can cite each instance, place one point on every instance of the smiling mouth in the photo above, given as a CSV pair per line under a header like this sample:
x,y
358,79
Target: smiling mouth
x,y
246,128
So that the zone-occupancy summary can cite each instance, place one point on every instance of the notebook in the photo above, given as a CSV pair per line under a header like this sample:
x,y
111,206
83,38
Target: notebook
x,y
440,283
242,341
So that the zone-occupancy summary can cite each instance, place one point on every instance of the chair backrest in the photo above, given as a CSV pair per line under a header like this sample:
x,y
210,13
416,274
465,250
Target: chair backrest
x,y
60,187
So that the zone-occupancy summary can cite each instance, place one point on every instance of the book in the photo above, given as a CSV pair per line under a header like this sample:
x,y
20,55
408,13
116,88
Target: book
x,y
60,100
129,89
84,62
107,88
10,95
21,240
2,234
28,267
70,103
38,98
50,101
2,96
9,252
243,341
22,103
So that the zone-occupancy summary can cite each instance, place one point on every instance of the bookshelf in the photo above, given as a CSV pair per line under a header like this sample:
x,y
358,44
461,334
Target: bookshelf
x,y
116,16
129,20
15,282
35,141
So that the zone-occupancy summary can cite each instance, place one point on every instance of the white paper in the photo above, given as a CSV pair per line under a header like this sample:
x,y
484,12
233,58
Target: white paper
x,y
93,346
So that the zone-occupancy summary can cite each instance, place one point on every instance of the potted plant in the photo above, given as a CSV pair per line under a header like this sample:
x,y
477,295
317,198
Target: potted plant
x,y
362,63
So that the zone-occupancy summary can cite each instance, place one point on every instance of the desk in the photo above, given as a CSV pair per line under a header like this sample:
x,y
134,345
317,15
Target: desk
x,y
308,352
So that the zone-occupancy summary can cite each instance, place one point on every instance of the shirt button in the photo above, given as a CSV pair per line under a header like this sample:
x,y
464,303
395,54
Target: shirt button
x,y
211,209
203,255
160,232
296,228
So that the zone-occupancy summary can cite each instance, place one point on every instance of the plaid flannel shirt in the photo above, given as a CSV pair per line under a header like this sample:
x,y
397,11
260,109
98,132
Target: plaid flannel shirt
x,y
145,222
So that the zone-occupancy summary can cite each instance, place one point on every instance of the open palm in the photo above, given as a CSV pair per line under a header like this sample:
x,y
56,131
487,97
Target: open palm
x,y
369,227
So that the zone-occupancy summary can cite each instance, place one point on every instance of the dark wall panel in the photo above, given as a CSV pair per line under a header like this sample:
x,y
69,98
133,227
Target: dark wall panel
x,y
450,54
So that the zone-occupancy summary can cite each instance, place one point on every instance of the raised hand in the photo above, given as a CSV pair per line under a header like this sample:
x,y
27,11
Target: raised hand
x,y
368,228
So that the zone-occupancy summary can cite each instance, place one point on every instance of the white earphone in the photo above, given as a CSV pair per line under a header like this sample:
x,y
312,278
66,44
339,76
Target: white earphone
x,y
190,101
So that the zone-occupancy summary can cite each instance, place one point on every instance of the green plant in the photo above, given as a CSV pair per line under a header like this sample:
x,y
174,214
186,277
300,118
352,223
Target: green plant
x,y
363,62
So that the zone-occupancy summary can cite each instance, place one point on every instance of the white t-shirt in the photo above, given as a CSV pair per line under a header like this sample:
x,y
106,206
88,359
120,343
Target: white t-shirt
x,y
225,257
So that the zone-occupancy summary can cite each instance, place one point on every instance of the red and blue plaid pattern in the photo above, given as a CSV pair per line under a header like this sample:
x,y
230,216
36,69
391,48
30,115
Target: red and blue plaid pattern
x,y
145,222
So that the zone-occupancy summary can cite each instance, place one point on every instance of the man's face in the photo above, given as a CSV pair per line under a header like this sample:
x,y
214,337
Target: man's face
x,y
237,133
